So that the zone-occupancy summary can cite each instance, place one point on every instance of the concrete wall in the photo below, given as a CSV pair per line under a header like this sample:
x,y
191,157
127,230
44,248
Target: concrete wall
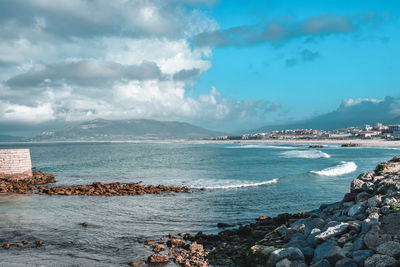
x,y
15,162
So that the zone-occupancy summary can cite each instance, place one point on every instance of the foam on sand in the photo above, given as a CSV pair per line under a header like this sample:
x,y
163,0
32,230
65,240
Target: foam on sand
x,y
232,184
305,154
342,168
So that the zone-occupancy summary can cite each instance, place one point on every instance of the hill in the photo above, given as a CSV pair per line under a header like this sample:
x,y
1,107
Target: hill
x,y
135,129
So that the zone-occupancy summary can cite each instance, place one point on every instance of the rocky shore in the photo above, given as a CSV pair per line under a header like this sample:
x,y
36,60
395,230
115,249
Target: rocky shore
x,y
361,230
35,184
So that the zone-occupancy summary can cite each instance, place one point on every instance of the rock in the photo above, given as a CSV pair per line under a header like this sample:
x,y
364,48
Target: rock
x,y
349,197
308,253
261,218
289,253
19,245
378,260
148,242
194,247
261,251
358,244
359,256
385,209
330,251
373,238
6,246
322,263
25,242
224,225
311,237
356,185
288,263
176,243
39,243
355,209
137,263
390,248
363,196
331,232
368,187
85,224
158,258
374,201
158,248
346,262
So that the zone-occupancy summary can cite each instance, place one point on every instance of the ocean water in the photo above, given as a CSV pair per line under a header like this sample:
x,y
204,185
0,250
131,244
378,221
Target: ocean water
x,y
242,181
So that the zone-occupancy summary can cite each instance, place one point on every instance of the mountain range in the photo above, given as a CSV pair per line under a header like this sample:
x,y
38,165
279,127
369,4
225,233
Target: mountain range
x,y
349,113
108,130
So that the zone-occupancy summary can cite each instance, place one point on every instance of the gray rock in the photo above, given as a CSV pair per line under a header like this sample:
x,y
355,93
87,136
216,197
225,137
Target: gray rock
x,y
356,185
347,248
390,248
373,216
355,209
288,253
282,230
288,263
369,176
368,187
311,237
385,210
359,256
346,262
374,201
358,244
343,239
322,263
378,260
330,251
308,253
374,238
363,196
331,232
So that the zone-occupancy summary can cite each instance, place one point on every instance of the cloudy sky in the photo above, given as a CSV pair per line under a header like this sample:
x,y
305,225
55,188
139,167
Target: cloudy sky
x,y
224,65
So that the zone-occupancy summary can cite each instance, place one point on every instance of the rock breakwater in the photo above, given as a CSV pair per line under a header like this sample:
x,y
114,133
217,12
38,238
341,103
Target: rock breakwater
x,y
9,185
361,230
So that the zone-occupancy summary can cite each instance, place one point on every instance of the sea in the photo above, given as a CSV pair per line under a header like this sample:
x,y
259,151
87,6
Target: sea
x,y
242,181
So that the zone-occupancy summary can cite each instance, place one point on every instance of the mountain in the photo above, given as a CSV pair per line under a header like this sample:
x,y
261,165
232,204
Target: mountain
x,y
107,130
349,113
10,138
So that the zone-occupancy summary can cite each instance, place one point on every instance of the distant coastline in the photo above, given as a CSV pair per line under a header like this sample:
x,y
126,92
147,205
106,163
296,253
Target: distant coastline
x,y
361,142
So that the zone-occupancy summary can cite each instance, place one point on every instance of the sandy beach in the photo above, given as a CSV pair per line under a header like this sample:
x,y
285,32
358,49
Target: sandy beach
x,y
361,142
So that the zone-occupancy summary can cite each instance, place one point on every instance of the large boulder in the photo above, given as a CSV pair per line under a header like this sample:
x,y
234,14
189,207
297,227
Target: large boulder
x,y
373,238
359,256
356,209
330,251
378,260
290,253
331,232
390,248
356,185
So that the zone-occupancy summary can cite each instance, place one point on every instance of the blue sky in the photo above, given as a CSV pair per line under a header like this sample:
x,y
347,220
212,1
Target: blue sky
x,y
361,64
224,65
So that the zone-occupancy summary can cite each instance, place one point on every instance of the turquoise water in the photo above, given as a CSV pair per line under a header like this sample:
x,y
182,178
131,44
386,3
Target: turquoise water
x,y
243,181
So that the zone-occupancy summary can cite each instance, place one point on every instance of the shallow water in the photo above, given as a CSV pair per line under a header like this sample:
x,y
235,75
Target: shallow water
x,y
243,181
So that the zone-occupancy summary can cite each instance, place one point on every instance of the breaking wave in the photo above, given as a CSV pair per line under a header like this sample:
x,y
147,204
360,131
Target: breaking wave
x,y
230,184
342,168
261,146
305,154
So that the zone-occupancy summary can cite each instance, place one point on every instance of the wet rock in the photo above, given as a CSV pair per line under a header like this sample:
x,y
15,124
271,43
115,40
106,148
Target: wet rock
x,y
19,245
378,260
6,245
148,242
349,197
158,248
390,248
358,244
158,258
288,263
85,224
363,196
175,243
224,225
137,263
39,243
288,253
261,218
25,242
260,252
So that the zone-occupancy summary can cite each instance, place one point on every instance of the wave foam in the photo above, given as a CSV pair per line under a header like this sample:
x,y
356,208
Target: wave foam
x,y
342,168
261,146
229,184
305,154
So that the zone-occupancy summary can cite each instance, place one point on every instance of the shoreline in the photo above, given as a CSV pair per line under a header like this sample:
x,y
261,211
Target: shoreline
x,y
362,142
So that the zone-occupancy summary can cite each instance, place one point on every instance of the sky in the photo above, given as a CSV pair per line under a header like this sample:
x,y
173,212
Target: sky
x,y
224,65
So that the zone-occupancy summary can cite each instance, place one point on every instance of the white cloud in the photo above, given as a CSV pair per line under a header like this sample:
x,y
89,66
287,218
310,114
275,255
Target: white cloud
x,y
351,102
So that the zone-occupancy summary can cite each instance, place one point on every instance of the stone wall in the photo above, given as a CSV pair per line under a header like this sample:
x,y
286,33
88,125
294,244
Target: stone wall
x,y
15,163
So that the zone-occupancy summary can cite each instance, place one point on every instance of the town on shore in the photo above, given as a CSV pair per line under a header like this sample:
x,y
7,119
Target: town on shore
x,y
376,132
